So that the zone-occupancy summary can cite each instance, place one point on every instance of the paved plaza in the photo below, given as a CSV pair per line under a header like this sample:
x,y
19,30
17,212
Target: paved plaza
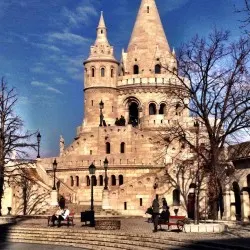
x,y
236,234
22,246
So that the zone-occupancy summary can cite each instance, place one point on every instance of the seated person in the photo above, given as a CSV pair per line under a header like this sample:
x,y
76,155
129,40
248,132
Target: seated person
x,y
60,215
164,216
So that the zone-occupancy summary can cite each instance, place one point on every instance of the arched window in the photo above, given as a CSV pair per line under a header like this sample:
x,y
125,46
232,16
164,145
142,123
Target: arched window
x,y
176,197
102,72
147,9
162,109
113,180
93,72
112,73
107,148
77,181
152,109
101,31
136,69
120,180
88,180
94,181
71,181
122,148
157,69
101,180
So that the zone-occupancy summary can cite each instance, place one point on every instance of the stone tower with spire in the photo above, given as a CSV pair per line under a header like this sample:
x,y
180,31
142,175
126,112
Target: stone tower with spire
x,y
136,91
100,79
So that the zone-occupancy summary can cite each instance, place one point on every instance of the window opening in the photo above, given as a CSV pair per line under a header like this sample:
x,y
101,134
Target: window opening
x,y
136,69
122,148
93,72
102,72
107,148
157,69
152,109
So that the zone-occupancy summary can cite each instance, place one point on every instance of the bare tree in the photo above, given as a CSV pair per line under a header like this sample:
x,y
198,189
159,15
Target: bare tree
x,y
245,21
12,138
213,86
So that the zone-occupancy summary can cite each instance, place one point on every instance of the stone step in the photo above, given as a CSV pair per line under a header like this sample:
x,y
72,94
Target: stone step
x,y
127,240
118,237
72,241
109,238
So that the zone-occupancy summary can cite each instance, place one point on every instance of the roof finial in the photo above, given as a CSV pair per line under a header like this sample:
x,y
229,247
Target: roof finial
x,y
101,22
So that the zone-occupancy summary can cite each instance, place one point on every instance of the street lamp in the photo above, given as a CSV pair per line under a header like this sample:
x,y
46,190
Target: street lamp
x,y
38,144
197,187
92,169
106,163
54,169
101,106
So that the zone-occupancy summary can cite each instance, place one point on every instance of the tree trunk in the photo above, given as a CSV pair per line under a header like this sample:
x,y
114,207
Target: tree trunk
x,y
1,191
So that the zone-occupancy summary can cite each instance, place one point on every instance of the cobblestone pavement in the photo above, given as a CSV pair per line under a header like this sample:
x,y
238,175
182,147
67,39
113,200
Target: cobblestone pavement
x,y
141,226
22,246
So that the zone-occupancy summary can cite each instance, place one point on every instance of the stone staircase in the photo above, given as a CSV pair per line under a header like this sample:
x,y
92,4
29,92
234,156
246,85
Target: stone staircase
x,y
104,240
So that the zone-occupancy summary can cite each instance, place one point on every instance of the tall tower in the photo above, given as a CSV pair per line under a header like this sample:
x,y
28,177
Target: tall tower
x,y
148,44
100,77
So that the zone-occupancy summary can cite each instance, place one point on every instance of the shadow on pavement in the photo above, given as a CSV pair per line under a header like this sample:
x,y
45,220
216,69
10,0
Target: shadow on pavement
x,y
231,244
5,228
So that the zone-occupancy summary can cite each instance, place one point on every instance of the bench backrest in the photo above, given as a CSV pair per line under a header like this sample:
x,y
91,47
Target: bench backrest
x,y
176,218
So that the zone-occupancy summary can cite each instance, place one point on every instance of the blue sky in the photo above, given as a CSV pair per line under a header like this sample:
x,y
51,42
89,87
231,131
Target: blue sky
x,y
44,43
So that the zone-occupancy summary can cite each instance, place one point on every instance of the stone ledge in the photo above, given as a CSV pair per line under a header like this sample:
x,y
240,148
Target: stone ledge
x,y
206,228
7,220
107,224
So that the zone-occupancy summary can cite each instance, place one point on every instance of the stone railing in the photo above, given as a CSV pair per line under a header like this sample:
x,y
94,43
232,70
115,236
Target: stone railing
x,y
137,79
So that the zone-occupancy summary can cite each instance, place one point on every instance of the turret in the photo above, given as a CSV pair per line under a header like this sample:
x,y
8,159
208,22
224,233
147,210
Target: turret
x,y
148,48
100,77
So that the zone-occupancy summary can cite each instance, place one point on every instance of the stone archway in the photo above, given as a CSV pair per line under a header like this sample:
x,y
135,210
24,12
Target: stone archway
x,y
236,190
133,114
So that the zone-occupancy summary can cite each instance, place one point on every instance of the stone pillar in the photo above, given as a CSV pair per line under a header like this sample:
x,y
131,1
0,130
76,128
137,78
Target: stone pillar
x,y
245,206
232,206
105,199
227,204
54,198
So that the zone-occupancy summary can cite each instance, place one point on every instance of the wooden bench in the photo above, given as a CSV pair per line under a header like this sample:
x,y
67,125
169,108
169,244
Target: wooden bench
x,y
178,221
69,219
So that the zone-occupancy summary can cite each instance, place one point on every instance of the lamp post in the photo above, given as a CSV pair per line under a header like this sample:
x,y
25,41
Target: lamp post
x,y
92,169
38,144
54,169
106,163
197,187
101,106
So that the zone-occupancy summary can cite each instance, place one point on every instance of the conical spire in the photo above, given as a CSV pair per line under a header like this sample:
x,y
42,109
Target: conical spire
x,y
148,42
101,32
101,48
101,22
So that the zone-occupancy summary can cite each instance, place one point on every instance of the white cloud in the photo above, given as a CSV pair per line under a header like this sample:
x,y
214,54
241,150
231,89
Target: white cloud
x,y
81,15
46,86
173,4
47,47
54,90
67,38
38,84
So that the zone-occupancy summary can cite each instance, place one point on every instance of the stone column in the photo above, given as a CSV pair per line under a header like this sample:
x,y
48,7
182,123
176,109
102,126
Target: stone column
x,y
54,198
105,199
227,203
232,206
245,206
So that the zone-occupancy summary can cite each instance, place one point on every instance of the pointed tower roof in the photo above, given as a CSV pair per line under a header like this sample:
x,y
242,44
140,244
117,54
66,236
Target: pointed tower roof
x,y
101,48
148,41
101,22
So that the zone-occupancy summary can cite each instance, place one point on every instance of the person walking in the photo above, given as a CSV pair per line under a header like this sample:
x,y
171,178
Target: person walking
x,y
156,211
